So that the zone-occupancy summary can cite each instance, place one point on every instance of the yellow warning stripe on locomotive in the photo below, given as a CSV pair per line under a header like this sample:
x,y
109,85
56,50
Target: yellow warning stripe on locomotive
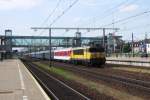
x,y
88,56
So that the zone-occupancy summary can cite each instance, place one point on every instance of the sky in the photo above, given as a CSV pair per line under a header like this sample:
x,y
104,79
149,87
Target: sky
x,y
21,15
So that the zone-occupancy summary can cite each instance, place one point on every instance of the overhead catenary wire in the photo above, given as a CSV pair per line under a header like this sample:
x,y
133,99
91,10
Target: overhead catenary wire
x,y
127,18
53,11
122,4
119,6
50,15
59,16
136,27
139,26
66,10
125,2
111,9
115,7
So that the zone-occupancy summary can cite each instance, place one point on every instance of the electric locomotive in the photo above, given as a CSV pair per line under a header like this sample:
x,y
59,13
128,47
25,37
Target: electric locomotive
x,y
88,55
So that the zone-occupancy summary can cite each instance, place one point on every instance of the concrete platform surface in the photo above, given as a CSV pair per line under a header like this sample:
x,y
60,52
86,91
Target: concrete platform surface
x,y
17,83
144,59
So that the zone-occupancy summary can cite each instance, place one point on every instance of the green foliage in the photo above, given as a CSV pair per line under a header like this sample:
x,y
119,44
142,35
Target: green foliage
x,y
55,70
127,48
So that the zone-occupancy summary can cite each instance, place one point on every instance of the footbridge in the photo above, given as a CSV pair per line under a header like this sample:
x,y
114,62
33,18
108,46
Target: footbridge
x,y
38,41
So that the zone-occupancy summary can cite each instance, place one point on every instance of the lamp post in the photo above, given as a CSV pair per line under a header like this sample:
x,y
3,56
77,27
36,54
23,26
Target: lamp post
x,y
50,64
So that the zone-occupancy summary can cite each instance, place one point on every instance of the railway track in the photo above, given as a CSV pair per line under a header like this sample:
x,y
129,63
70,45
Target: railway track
x,y
56,89
138,84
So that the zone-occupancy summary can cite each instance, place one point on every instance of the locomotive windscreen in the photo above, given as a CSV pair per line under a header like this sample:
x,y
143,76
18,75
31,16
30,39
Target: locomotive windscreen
x,y
101,49
78,52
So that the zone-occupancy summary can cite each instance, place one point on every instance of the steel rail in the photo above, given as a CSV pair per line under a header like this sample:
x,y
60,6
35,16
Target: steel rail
x,y
124,80
42,83
62,83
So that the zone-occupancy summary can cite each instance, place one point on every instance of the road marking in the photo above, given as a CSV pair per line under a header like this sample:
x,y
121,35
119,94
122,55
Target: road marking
x,y
21,77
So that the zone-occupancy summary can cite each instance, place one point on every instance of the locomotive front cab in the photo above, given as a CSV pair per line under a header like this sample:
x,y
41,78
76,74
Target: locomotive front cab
x,y
97,55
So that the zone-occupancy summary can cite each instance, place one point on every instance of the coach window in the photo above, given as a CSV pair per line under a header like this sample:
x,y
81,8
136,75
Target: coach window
x,y
78,52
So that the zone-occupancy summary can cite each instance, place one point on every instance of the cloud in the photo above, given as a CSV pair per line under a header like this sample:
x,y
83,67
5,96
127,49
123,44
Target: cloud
x,y
128,8
18,4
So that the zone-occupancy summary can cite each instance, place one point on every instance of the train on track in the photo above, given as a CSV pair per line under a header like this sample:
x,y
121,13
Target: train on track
x,y
78,55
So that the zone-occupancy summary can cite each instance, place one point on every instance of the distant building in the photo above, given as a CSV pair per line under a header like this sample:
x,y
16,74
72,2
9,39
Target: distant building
x,y
137,46
148,46
141,46
114,43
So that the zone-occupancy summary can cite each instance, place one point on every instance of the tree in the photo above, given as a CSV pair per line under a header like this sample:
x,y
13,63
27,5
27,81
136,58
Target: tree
x,y
127,48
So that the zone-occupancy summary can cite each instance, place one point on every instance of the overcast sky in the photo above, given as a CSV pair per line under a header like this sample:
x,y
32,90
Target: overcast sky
x,y
20,15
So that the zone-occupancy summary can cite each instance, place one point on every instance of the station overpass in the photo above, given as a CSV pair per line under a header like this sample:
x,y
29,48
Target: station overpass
x,y
38,41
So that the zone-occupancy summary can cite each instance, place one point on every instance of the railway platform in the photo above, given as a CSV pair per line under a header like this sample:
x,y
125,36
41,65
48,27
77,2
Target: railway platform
x,y
134,61
141,59
17,83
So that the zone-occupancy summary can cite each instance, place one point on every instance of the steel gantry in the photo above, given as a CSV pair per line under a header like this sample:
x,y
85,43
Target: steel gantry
x,y
70,28
77,29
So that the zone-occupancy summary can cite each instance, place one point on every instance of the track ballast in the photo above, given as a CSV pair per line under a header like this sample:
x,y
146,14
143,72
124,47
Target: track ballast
x,y
56,89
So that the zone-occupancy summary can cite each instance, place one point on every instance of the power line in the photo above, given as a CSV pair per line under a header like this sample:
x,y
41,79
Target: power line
x,y
140,26
67,9
125,2
115,7
53,11
119,5
122,4
57,18
50,15
130,17
136,27
111,9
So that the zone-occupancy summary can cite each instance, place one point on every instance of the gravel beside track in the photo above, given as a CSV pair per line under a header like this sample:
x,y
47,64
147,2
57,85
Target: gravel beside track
x,y
129,74
136,75
130,85
109,71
